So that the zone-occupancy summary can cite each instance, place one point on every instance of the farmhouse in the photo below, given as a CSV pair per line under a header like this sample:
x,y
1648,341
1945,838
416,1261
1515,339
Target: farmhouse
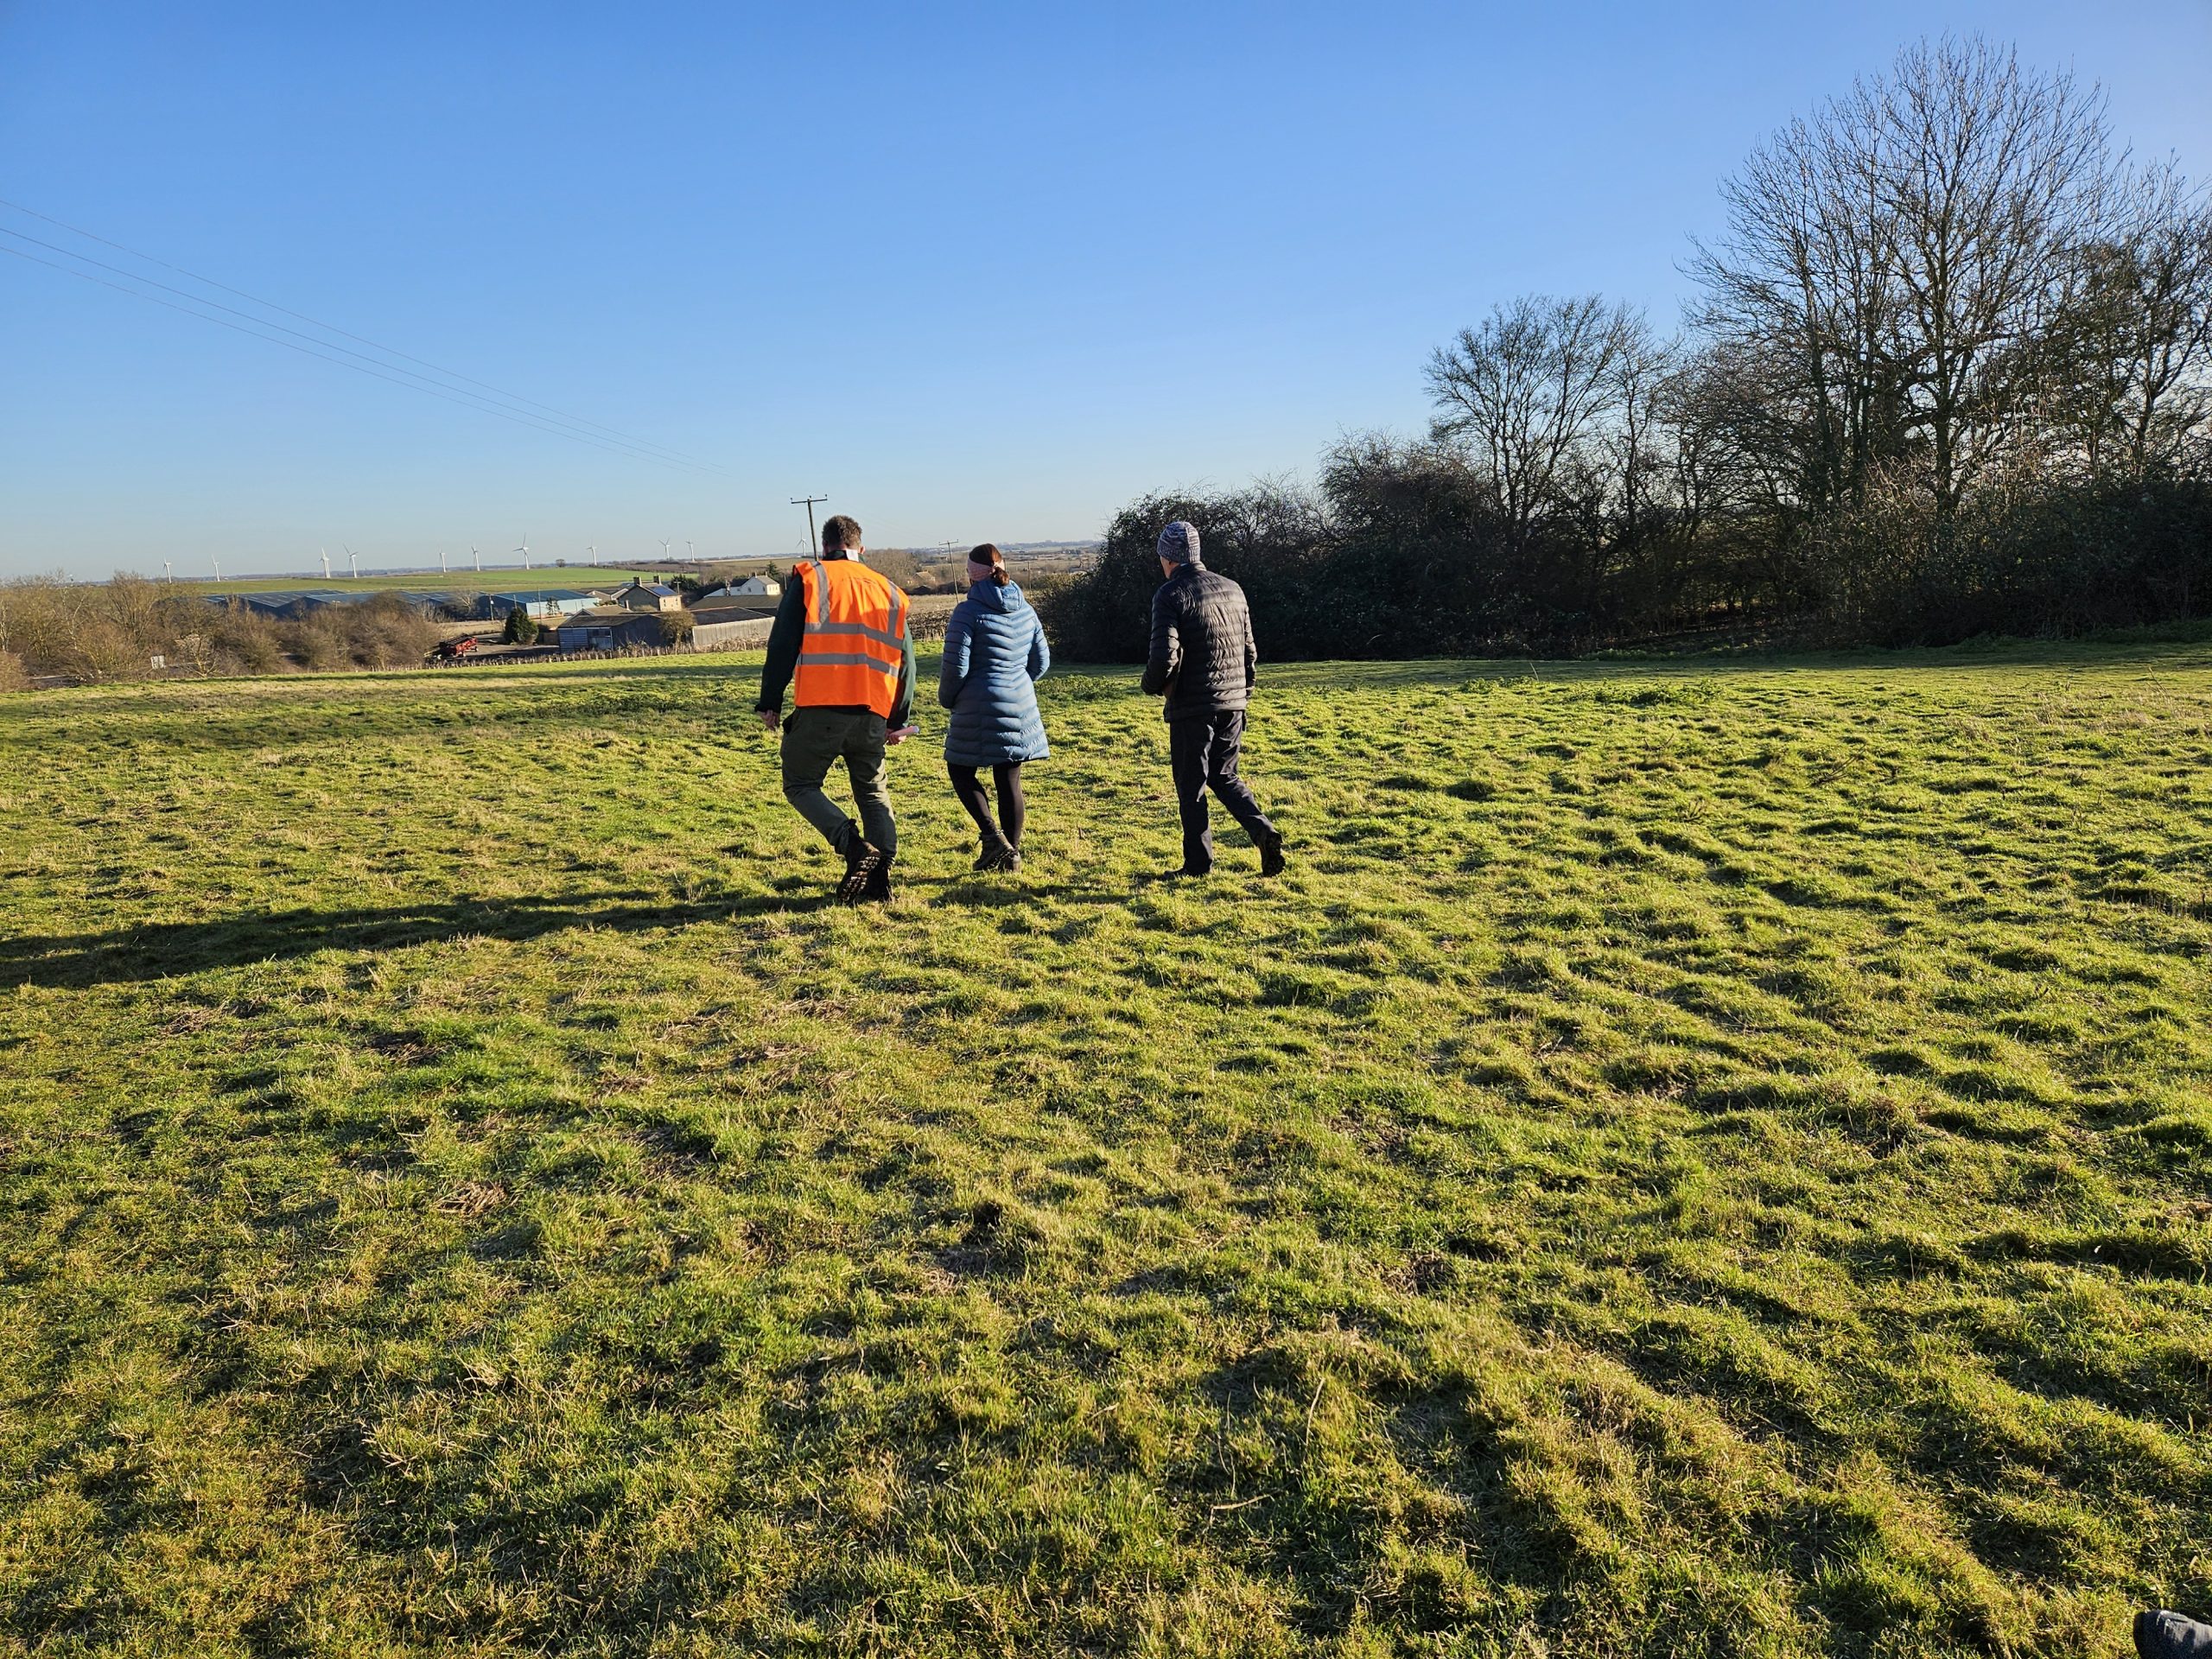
x,y
657,596
755,588
739,601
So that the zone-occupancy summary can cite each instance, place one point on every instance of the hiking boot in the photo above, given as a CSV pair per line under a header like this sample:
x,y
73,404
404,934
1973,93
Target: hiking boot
x,y
877,890
1271,860
999,856
864,862
2162,1635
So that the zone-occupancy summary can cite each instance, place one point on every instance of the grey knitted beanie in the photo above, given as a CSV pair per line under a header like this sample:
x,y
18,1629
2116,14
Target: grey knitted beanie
x,y
1179,544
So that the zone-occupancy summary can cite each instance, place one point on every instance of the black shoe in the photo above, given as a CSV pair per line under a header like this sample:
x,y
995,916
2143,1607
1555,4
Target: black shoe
x,y
998,855
2162,1635
863,863
877,890
1271,861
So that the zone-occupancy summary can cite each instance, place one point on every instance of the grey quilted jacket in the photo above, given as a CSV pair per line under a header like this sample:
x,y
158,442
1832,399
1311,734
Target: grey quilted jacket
x,y
1202,656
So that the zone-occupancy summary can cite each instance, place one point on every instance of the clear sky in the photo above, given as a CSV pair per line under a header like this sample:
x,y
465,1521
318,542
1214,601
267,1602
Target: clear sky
x,y
976,271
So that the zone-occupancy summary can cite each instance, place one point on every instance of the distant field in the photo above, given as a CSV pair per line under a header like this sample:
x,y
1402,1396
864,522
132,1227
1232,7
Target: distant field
x,y
465,581
1706,1161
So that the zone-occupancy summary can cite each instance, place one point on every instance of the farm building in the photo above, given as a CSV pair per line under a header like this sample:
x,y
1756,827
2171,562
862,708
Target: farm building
x,y
709,612
732,629
292,603
540,602
655,596
610,631
752,588
737,601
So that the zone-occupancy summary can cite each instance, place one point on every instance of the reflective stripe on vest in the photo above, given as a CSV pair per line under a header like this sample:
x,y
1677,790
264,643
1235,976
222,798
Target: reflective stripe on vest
x,y
855,646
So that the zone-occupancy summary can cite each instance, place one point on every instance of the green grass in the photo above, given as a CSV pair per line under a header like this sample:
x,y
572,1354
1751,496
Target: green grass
x,y
1687,1163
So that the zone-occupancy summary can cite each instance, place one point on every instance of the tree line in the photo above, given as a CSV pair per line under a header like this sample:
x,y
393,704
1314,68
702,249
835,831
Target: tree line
x,y
1948,372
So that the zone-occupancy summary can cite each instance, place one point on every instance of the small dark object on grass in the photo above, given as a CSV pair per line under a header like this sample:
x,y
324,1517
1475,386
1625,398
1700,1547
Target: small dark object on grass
x,y
2163,1635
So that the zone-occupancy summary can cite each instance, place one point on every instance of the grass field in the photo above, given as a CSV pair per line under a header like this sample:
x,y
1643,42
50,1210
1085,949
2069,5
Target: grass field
x,y
1702,1160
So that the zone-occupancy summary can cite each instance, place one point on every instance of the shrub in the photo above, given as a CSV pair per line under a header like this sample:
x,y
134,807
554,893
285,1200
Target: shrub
x,y
521,629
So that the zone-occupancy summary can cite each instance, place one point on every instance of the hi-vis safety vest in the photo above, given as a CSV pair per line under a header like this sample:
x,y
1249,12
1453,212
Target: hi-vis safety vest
x,y
855,629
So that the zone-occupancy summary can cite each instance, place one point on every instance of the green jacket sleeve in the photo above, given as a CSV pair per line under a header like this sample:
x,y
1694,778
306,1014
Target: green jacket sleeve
x,y
784,641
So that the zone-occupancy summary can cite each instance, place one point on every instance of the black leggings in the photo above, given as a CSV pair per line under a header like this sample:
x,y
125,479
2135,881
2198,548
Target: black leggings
x,y
1012,807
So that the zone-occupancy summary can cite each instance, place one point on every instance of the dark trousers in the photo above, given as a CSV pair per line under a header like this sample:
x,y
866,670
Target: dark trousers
x,y
814,741
1012,807
1203,751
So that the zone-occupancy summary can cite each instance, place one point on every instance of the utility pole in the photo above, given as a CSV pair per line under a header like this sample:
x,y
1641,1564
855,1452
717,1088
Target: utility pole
x,y
813,541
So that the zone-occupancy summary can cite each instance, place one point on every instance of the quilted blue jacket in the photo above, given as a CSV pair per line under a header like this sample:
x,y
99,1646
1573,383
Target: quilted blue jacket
x,y
994,648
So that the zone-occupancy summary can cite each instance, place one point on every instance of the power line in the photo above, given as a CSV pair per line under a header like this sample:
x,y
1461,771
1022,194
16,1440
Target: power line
x,y
648,448
808,501
481,408
479,400
453,374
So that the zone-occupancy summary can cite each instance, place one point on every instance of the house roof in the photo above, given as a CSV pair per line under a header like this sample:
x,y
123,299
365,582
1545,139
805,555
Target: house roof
x,y
541,595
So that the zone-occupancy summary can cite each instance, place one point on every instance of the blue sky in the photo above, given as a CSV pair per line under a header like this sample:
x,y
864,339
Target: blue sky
x,y
976,271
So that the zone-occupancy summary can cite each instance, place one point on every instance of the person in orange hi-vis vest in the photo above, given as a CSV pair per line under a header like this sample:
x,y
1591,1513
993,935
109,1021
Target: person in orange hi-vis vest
x,y
842,646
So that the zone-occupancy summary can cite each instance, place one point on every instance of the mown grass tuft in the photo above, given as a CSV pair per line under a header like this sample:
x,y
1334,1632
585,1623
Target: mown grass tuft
x,y
1687,1163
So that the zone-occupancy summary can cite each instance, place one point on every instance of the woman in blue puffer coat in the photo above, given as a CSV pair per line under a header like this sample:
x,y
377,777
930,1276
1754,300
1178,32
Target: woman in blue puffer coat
x,y
995,652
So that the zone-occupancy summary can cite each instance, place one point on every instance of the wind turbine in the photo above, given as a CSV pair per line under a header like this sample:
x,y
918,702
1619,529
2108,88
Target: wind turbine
x,y
353,561
524,550
218,563
442,561
688,553
663,549
326,562
165,576
479,557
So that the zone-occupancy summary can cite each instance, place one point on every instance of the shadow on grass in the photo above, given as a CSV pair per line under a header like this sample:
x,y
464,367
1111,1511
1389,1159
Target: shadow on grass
x,y
162,950
159,950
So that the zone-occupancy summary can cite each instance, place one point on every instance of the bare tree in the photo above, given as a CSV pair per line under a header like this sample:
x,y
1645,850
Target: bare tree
x,y
1528,390
1905,251
1643,370
2133,359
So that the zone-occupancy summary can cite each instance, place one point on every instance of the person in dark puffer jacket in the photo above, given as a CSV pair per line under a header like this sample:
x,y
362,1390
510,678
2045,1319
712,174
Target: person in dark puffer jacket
x,y
1204,663
995,653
